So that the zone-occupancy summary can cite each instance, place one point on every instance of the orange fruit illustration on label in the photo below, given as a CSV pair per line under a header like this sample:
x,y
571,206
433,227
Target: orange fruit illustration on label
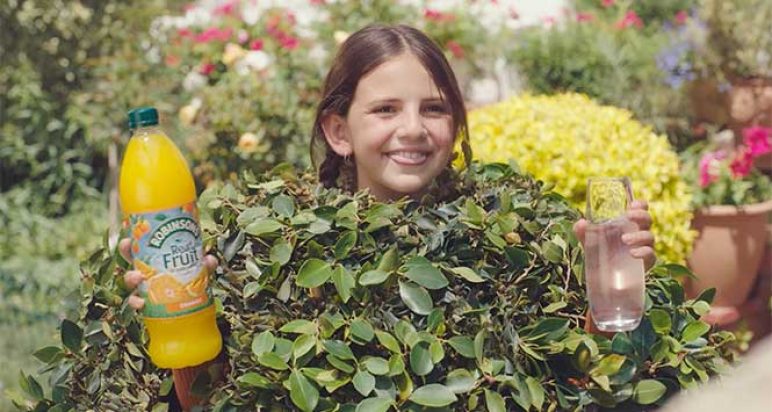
x,y
146,270
135,247
165,289
197,286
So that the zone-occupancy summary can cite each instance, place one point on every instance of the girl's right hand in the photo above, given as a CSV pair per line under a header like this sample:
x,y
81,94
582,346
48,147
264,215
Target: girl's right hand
x,y
133,278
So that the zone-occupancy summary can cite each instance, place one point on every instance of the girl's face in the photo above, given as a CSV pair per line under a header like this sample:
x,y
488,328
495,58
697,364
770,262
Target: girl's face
x,y
398,130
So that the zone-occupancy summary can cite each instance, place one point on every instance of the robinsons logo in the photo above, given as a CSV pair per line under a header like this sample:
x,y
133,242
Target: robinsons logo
x,y
173,226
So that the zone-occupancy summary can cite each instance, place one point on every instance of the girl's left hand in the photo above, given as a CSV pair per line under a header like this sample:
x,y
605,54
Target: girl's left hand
x,y
641,242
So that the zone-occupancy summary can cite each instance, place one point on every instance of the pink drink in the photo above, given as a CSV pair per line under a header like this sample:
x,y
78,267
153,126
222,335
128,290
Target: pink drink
x,y
615,279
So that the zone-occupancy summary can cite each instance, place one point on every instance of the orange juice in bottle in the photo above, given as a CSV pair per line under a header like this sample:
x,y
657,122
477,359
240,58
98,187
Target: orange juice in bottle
x,y
158,197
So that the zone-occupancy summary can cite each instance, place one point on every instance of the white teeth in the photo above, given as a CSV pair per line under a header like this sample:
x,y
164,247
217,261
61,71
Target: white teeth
x,y
409,155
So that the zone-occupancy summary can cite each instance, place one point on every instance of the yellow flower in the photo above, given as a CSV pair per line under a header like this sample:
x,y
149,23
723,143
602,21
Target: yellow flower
x,y
566,139
248,142
233,52
340,36
187,114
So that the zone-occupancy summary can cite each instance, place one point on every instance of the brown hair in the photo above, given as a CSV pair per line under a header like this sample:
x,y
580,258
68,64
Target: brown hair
x,y
361,53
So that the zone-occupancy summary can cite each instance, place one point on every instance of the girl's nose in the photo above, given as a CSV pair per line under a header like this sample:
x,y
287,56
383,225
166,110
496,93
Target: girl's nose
x,y
413,126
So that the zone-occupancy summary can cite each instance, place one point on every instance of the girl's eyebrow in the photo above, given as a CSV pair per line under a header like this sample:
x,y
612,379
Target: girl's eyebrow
x,y
392,100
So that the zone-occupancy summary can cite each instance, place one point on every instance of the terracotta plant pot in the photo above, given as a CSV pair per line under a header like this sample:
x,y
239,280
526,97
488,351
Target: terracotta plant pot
x,y
728,250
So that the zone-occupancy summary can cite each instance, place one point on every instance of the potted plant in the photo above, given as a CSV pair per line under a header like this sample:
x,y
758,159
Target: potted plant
x,y
731,200
736,48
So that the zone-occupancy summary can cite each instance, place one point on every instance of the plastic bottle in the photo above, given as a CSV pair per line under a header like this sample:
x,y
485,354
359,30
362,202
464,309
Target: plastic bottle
x,y
158,198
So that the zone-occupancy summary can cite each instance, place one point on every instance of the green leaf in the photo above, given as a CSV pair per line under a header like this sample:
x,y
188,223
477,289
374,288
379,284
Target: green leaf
x,y
344,282
380,404
660,321
339,349
262,343
363,382
302,392
621,344
494,402
422,272
433,394
273,361
48,354
609,365
313,273
302,345
463,345
582,357
388,341
517,257
554,307
552,252
281,251
263,226
421,359
536,391
416,298
707,295
373,277
479,345
468,274
389,261
72,335
377,366
396,365
339,364
301,326
694,330
437,351
344,245
255,379
474,214
361,329
648,391
460,381
283,205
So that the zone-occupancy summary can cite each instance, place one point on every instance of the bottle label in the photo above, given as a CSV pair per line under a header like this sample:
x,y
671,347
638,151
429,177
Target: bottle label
x,y
166,248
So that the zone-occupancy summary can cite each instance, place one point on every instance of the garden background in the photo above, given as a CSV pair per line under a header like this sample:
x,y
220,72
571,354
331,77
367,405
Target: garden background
x,y
236,83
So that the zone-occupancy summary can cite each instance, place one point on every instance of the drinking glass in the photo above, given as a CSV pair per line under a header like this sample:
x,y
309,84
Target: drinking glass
x,y
615,279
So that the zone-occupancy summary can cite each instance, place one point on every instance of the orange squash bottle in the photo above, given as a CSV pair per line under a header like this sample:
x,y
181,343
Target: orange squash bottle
x,y
158,198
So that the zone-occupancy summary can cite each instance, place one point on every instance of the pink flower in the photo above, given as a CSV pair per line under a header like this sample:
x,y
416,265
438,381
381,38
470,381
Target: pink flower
x,y
289,42
438,16
256,44
548,21
681,17
757,139
455,48
184,32
206,69
631,19
213,34
583,17
709,164
742,163
608,3
227,9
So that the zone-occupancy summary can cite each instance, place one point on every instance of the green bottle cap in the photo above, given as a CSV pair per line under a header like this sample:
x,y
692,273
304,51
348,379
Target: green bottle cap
x,y
143,116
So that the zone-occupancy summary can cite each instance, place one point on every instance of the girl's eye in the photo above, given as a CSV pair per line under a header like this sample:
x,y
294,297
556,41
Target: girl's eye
x,y
436,108
385,109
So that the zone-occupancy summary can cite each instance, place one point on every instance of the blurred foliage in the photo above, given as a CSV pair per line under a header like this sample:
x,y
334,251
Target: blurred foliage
x,y
467,303
591,54
52,150
566,139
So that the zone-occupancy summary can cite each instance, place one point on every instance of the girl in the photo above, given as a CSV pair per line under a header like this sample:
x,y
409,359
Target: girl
x,y
390,116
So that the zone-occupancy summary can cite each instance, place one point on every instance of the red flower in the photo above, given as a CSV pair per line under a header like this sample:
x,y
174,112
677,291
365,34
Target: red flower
x,y
184,32
213,34
289,42
681,17
438,16
742,163
256,44
608,3
455,49
581,17
631,19
206,69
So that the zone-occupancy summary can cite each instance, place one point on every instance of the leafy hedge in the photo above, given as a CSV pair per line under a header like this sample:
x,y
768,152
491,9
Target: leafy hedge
x,y
473,303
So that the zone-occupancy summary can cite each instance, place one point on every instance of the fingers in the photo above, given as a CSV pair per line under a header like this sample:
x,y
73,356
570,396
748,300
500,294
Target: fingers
x,y
646,253
639,204
638,239
210,262
580,228
133,278
136,302
124,247
641,217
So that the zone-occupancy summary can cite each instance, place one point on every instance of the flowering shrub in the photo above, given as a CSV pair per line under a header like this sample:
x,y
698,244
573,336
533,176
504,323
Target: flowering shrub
x,y
724,175
565,139
250,72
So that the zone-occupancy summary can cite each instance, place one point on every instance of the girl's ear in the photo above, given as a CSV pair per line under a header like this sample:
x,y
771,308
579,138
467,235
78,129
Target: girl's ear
x,y
336,132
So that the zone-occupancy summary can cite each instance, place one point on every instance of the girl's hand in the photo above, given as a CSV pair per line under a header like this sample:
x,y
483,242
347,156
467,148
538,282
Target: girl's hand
x,y
133,278
641,242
